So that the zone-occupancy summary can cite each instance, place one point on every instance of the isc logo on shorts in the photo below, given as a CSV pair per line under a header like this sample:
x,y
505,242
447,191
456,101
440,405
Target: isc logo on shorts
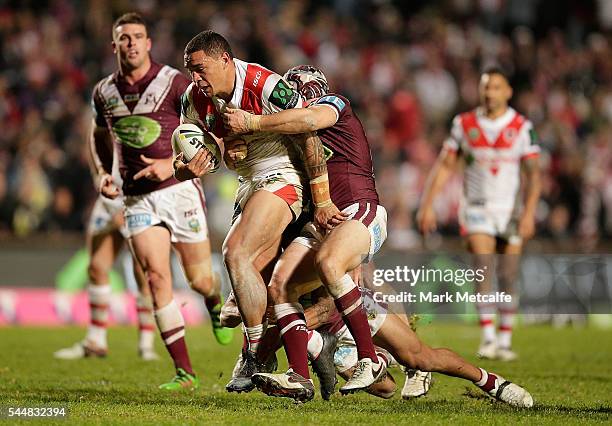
x,y
475,218
138,220
342,353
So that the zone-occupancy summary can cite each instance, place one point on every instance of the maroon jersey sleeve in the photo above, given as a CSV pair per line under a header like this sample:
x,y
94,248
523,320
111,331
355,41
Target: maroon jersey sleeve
x,y
97,107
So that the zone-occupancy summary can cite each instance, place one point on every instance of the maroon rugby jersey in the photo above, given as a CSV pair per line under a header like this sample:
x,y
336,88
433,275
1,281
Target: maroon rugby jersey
x,y
351,175
141,118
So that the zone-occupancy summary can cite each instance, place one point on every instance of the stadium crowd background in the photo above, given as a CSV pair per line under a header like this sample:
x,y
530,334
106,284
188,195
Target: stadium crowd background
x,y
407,67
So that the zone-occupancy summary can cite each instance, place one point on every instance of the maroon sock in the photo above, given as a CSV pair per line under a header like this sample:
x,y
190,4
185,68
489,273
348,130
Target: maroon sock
x,y
489,381
295,340
357,323
177,349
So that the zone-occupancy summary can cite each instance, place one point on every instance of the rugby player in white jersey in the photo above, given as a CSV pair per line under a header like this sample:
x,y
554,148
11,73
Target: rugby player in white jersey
x,y
138,107
497,144
270,195
105,236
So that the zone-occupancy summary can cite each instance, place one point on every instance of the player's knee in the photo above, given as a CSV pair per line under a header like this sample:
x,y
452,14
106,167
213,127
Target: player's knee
x,y
157,280
277,289
200,278
233,253
98,271
328,267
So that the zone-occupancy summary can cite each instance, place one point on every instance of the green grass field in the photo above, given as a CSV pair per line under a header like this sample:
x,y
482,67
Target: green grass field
x,y
568,372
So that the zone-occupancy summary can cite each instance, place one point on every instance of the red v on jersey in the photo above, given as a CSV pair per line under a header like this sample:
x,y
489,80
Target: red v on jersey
x,y
477,139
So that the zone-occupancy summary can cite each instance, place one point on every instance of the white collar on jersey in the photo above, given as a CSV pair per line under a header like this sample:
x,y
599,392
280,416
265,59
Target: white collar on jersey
x,y
506,116
241,68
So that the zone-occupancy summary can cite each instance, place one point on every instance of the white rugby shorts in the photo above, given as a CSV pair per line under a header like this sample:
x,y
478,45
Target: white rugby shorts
x,y
181,208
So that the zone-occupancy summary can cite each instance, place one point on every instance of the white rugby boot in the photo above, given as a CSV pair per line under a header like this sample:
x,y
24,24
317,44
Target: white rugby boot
x,y
417,383
366,373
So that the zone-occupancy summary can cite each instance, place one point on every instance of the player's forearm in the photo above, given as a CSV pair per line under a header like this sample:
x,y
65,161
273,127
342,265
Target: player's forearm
x,y
316,169
98,139
291,121
319,313
435,182
533,188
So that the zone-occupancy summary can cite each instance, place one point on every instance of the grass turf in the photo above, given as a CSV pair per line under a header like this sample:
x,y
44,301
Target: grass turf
x,y
568,372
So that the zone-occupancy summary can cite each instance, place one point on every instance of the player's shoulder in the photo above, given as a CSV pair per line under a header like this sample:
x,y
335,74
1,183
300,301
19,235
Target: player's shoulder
x,y
104,83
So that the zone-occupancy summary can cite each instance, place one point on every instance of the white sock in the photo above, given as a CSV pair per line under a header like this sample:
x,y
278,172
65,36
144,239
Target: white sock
x,y
315,344
254,335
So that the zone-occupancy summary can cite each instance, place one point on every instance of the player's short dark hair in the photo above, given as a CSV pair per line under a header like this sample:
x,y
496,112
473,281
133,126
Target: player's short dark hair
x,y
496,69
211,43
129,18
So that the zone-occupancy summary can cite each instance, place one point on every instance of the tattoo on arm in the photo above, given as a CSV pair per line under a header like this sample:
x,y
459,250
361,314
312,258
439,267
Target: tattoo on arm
x,y
314,156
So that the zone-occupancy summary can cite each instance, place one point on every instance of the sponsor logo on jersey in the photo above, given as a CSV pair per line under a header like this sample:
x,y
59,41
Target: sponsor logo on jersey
x,y
138,220
256,79
332,100
283,96
131,97
137,131
111,103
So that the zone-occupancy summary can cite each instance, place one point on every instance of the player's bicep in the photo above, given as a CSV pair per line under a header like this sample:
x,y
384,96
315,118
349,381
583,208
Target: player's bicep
x,y
324,115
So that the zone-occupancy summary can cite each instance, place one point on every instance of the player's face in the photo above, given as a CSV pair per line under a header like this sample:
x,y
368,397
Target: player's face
x,y
495,92
131,45
208,73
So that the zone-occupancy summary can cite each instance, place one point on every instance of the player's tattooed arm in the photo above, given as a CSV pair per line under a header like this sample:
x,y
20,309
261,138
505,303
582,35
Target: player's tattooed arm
x,y
326,214
290,121
533,187
319,313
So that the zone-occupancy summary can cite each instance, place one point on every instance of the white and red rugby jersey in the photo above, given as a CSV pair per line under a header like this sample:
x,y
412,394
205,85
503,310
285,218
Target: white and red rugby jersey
x,y
259,91
493,151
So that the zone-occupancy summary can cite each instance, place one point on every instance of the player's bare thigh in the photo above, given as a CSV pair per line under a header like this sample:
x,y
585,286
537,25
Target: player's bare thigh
x,y
152,251
261,223
345,246
103,249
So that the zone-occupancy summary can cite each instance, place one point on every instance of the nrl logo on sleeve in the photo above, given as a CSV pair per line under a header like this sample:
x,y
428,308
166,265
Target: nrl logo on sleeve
x,y
283,96
111,103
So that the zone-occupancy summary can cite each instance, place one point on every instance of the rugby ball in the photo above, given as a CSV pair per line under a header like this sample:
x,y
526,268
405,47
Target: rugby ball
x,y
189,139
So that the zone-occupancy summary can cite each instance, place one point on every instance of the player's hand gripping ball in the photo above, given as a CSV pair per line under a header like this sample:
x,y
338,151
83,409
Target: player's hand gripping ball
x,y
189,139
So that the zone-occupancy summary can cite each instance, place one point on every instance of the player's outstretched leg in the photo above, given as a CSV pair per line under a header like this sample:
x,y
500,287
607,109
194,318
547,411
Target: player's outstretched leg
x,y
408,350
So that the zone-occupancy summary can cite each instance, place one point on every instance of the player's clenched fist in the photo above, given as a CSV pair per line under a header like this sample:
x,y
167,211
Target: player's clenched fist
x,y
107,187
235,150
199,165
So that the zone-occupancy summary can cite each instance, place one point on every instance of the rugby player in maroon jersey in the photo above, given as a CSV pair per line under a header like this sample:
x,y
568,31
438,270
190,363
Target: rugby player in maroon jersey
x,y
138,108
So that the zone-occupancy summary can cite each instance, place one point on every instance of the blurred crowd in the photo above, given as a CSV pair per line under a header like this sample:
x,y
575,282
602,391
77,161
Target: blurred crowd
x,y
406,66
